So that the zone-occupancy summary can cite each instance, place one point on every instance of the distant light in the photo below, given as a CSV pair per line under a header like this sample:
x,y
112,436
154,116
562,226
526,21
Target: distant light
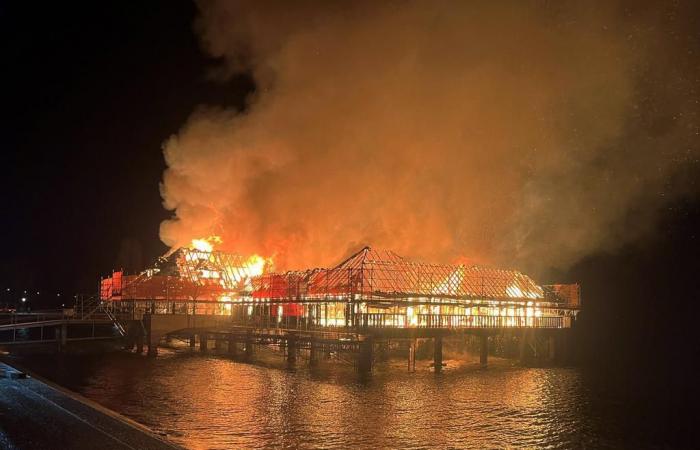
x,y
63,304
24,299
8,289
58,295
37,292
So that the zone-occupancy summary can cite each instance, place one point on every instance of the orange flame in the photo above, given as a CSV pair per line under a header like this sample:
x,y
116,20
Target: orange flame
x,y
206,244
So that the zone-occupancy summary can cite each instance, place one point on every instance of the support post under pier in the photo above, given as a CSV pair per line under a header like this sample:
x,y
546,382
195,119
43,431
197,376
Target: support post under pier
x,y
203,343
365,356
525,346
192,341
484,353
412,345
153,345
437,354
139,343
383,350
313,353
232,348
249,345
291,349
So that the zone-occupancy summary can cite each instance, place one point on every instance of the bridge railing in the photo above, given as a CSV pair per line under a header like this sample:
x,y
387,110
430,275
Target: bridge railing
x,y
386,320
22,317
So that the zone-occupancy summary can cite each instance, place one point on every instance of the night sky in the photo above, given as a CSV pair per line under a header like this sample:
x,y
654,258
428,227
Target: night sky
x,y
90,93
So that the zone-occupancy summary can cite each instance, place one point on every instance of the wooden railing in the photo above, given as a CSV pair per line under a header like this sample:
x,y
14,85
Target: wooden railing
x,y
382,320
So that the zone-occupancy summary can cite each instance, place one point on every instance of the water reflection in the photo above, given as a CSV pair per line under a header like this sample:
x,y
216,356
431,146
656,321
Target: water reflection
x,y
209,401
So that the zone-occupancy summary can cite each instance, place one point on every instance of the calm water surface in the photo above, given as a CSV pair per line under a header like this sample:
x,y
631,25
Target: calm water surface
x,y
209,401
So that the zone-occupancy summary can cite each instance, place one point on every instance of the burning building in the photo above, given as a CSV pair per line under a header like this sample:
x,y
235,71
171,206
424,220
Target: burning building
x,y
373,288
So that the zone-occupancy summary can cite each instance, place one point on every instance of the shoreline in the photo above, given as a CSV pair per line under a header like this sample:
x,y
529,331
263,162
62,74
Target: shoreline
x,y
36,413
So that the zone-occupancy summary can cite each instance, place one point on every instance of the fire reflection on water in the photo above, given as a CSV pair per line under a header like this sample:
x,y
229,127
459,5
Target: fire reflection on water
x,y
208,401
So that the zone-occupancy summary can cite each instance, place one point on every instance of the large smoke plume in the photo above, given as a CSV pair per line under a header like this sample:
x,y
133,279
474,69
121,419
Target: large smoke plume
x,y
513,133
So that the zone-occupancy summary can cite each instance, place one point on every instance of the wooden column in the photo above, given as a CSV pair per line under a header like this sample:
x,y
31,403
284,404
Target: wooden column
x,y
139,343
383,351
232,347
152,344
249,345
313,353
524,346
437,354
364,362
412,345
484,354
291,349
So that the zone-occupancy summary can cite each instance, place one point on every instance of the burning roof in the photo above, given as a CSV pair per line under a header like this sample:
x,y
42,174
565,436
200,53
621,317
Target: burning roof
x,y
382,273
369,274
187,273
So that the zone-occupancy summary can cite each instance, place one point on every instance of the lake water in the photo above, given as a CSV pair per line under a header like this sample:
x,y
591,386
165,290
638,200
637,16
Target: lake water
x,y
214,402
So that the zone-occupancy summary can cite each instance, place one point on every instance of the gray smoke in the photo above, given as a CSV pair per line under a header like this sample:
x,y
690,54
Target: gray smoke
x,y
512,133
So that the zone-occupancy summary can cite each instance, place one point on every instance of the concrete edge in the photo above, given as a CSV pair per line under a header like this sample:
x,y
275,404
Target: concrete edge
x,y
87,402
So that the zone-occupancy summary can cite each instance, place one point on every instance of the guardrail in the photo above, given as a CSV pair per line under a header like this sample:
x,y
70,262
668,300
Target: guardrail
x,y
382,320
52,330
14,317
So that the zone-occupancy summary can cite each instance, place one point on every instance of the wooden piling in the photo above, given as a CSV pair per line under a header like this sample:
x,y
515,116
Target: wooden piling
x,y
524,346
291,349
139,343
313,353
383,350
365,356
484,353
412,345
232,347
249,344
152,344
437,354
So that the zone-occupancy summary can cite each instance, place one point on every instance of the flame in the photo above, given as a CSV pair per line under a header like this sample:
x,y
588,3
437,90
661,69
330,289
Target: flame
x,y
514,291
253,266
206,244
226,307
217,268
202,245
256,265
451,284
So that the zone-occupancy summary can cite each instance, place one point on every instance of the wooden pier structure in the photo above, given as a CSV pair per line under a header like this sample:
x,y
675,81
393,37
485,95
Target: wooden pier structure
x,y
364,306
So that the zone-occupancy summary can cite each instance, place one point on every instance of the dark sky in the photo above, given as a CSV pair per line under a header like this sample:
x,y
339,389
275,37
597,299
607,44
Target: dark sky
x,y
91,92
